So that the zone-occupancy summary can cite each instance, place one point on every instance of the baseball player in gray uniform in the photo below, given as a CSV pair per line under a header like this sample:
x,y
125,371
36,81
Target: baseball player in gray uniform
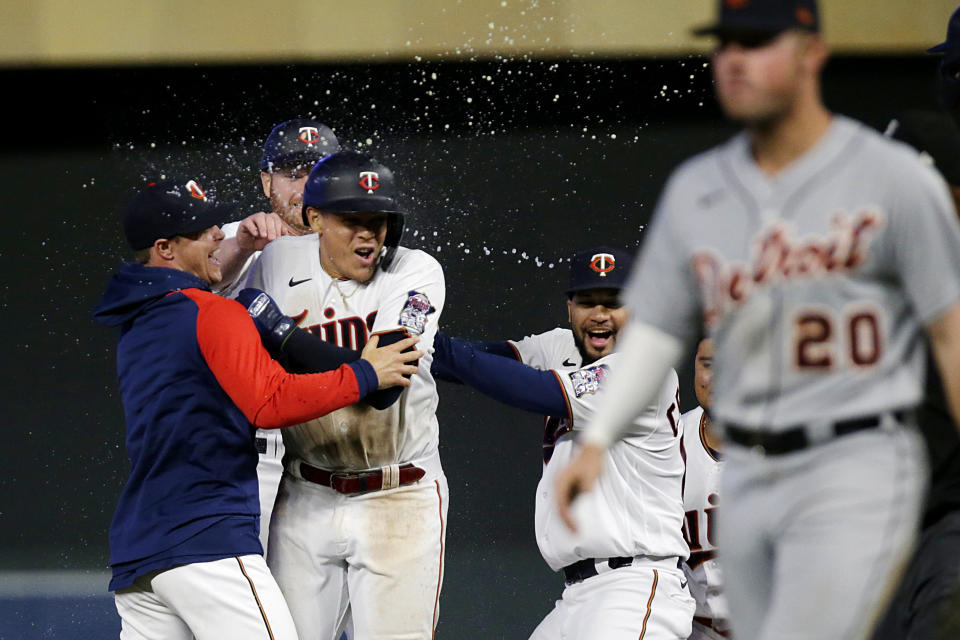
x,y
819,249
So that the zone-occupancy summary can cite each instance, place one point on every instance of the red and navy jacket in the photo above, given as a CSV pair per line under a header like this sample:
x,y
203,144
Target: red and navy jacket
x,y
195,382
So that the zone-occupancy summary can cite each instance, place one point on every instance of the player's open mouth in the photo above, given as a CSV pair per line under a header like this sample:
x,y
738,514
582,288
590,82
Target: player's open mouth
x,y
214,257
599,338
366,255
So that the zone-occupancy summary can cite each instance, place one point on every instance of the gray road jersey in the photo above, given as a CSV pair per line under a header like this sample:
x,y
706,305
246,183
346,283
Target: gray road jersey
x,y
813,283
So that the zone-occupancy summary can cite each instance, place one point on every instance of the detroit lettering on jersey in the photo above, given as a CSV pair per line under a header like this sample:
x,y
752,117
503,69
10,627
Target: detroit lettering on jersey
x,y
828,269
778,256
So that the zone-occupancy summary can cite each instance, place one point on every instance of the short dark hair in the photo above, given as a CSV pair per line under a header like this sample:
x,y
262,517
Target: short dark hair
x,y
142,255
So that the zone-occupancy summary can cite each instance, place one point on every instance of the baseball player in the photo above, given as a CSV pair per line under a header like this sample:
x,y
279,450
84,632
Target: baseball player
x,y
932,577
360,518
289,152
622,567
818,249
701,497
194,378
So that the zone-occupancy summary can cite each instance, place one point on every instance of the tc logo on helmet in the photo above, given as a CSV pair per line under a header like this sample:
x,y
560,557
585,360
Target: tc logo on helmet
x,y
370,180
195,190
309,135
602,263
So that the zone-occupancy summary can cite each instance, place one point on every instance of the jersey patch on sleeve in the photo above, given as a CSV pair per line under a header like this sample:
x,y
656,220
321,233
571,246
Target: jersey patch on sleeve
x,y
588,380
413,316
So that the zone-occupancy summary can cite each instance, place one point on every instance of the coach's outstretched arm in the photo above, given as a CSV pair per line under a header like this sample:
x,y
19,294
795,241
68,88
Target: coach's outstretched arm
x,y
646,356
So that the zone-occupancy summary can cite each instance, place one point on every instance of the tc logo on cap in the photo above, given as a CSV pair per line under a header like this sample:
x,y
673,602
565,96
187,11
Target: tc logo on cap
x,y
804,16
735,4
309,135
195,190
602,263
370,180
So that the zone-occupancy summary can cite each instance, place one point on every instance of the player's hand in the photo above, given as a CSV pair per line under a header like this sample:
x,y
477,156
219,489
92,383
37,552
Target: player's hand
x,y
260,229
274,327
390,363
577,478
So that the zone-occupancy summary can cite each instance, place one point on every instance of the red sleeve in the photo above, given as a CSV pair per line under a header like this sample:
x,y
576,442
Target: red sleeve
x,y
266,394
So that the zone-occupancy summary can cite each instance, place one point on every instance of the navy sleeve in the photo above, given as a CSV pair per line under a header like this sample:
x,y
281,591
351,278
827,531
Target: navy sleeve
x,y
366,376
304,352
502,378
440,371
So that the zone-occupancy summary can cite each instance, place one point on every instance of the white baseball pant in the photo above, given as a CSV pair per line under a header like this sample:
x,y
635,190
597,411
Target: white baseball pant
x,y
380,553
269,471
628,603
233,598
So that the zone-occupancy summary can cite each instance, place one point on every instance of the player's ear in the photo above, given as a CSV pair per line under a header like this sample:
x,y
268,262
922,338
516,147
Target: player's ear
x,y
162,251
265,180
816,52
315,219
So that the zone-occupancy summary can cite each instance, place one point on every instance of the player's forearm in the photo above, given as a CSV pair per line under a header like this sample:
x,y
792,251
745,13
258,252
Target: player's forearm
x,y
503,349
646,356
297,398
232,257
945,341
502,378
266,394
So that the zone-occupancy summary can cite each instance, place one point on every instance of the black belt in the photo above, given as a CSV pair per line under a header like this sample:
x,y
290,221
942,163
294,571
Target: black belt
x,y
795,438
580,571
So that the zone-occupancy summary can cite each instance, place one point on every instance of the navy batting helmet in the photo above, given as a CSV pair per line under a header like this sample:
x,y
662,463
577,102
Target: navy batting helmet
x,y
352,182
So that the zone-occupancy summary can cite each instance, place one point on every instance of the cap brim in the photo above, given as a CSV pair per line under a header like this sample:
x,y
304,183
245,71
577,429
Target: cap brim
x,y
596,285
721,30
360,204
940,48
215,214
295,159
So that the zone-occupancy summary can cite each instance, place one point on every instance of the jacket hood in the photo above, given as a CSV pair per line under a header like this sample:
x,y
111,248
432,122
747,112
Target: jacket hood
x,y
135,286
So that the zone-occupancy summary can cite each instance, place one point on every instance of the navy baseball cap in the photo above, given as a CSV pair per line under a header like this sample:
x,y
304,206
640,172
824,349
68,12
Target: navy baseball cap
x,y
950,47
599,268
170,208
297,142
753,17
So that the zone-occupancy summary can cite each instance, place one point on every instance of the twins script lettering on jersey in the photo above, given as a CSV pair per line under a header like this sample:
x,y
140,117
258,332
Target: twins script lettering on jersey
x,y
778,256
349,333
697,539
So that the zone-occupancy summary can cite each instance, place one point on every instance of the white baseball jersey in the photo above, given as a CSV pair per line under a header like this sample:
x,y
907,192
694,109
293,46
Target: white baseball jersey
x,y
813,283
636,508
231,289
409,296
701,495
